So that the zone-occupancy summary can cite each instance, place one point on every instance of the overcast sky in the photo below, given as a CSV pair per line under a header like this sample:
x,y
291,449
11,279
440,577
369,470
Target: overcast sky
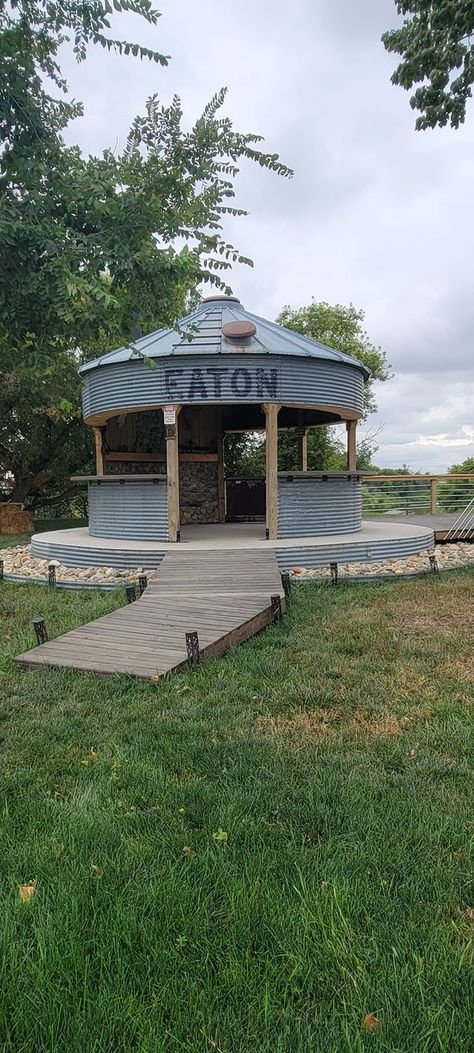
x,y
376,214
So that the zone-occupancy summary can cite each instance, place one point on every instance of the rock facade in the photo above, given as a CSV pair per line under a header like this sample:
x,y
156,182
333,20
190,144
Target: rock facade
x,y
198,492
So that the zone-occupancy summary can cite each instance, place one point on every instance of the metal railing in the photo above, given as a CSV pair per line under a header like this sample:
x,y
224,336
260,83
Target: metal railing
x,y
417,494
463,528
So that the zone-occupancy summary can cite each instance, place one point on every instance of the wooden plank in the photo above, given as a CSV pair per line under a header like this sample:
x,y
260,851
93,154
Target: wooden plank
x,y
303,450
147,638
221,495
351,426
117,455
452,476
271,456
99,457
172,472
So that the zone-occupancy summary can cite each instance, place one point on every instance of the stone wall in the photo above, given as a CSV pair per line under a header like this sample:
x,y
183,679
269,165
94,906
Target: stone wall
x,y
198,493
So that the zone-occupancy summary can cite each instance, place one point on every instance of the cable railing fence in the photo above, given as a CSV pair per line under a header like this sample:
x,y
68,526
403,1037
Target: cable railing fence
x,y
463,528
417,494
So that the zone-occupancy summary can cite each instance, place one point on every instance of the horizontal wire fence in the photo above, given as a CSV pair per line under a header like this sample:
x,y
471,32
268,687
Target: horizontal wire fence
x,y
417,494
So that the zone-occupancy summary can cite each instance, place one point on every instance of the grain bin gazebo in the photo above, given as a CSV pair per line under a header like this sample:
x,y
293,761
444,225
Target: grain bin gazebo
x,y
160,415
160,411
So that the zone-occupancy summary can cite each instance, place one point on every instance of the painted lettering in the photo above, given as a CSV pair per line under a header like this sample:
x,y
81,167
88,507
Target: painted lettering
x,y
220,382
197,386
267,383
241,383
217,375
173,391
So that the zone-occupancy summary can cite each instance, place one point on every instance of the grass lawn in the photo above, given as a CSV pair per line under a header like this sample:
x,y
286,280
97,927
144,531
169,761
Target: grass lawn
x,y
252,857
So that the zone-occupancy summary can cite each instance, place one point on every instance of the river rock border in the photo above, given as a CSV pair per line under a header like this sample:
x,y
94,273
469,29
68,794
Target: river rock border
x,y
19,565
448,557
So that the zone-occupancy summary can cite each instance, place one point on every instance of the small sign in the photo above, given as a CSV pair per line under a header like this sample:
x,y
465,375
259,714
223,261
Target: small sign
x,y
169,413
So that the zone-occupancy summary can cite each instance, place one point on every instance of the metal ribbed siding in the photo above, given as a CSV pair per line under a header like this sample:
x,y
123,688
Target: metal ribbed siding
x,y
309,507
85,556
358,552
299,380
133,510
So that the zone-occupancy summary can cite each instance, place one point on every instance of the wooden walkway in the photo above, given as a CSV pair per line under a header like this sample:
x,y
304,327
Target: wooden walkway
x,y
441,524
223,595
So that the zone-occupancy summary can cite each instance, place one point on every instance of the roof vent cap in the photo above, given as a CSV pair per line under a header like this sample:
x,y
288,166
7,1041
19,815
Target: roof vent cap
x,y
238,331
226,299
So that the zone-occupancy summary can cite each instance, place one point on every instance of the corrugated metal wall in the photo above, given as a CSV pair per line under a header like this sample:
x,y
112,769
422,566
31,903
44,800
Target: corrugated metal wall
x,y
222,379
77,555
309,507
310,556
134,510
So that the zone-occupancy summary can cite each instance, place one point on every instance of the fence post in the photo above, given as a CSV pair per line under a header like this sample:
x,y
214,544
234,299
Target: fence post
x,y
285,580
192,647
130,593
433,496
276,609
39,626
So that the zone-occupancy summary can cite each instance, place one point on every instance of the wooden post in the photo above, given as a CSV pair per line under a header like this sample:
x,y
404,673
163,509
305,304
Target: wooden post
x,y
172,474
270,410
351,426
221,478
433,496
303,449
99,456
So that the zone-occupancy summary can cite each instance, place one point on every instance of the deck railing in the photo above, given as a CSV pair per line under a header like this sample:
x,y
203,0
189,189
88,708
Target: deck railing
x,y
416,494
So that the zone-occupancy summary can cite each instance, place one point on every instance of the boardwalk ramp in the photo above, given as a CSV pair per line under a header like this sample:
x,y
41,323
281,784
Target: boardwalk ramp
x,y
225,596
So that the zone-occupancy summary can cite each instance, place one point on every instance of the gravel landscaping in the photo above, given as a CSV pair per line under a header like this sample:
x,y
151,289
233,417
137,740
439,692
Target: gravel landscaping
x,y
448,557
19,563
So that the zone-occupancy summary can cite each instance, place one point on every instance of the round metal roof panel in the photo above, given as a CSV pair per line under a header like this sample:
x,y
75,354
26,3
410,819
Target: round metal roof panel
x,y
202,333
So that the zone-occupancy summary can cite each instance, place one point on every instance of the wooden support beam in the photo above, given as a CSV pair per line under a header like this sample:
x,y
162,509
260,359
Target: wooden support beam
x,y
118,455
351,426
302,449
270,410
221,497
99,456
172,473
433,496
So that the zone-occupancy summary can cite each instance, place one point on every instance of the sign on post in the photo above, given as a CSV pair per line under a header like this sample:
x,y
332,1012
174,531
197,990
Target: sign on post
x,y
169,413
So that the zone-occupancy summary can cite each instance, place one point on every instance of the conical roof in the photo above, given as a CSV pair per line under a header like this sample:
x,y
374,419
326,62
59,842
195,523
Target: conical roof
x,y
202,333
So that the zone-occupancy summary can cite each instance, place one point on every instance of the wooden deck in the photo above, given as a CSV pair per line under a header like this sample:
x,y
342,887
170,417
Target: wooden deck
x,y
441,524
224,595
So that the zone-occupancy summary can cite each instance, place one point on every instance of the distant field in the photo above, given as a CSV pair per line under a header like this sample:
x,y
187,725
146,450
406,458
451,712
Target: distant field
x,y
270,854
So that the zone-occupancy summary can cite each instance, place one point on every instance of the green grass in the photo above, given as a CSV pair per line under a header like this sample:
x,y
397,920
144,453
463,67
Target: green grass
x,y
336,753
40,526
9,541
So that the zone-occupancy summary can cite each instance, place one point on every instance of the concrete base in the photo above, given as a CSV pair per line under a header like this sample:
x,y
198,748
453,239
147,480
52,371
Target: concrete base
x,y
376,540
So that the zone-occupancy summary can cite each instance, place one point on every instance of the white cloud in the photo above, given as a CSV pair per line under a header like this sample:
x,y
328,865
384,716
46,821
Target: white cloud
x,y
377,214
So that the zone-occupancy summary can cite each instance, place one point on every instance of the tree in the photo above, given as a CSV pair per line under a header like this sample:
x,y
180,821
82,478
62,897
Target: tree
x,y
454,496
435,42
465,468
42,435
89,245
340,328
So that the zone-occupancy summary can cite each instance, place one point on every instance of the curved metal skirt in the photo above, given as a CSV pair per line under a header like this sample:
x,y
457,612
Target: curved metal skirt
x,y
374,541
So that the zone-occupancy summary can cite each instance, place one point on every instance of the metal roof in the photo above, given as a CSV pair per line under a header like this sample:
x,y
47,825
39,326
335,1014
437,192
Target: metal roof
x,y
201,333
